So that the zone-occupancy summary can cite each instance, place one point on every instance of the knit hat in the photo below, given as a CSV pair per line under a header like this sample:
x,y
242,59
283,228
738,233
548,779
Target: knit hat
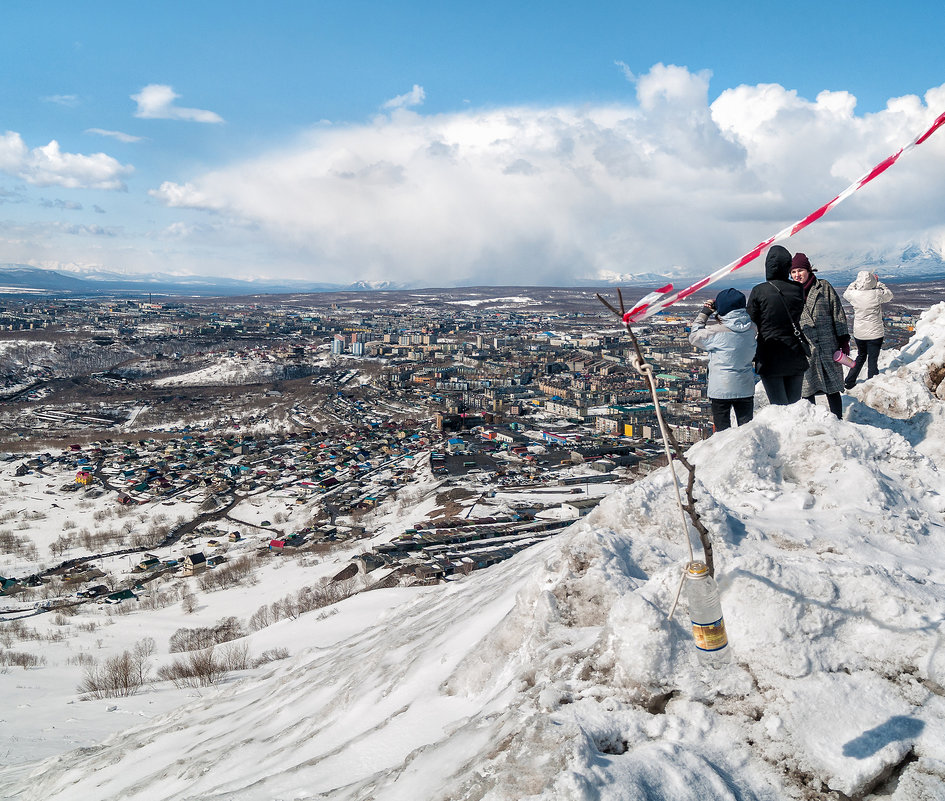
x,y
801,262
728,300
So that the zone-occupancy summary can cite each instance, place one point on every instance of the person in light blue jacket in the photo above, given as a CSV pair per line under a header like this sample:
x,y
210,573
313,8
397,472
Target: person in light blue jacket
x,y
730,341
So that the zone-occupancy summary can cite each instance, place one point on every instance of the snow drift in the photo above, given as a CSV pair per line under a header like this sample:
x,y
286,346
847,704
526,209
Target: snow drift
x,y
557,675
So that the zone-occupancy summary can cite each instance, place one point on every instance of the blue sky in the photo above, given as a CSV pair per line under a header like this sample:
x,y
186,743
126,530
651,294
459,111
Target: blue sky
x,y
432,143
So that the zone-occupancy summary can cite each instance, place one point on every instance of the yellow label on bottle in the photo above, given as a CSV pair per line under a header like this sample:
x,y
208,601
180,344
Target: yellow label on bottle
x,y
710,636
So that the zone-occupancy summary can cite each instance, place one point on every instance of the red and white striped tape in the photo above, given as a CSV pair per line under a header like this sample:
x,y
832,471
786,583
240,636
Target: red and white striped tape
x,y
665,296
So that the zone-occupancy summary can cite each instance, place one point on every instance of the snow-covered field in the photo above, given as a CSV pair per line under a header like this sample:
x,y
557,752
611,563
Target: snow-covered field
x,y
557,674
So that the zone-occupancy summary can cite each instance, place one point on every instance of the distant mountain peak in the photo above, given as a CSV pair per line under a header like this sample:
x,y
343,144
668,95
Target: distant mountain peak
x,y
374,286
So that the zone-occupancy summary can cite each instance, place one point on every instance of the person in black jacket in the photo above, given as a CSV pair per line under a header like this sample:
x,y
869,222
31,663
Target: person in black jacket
x,y
775,307
824,323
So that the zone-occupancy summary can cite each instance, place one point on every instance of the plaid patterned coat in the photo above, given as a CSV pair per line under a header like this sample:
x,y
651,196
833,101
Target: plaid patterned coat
x,y
823,321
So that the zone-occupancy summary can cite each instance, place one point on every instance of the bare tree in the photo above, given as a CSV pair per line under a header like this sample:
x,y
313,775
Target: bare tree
x,y
188,601
229,574
141,655
62,543
235,656
261,618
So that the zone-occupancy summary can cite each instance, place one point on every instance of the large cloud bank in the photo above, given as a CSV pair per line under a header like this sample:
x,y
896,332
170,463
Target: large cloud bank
x,y
669,184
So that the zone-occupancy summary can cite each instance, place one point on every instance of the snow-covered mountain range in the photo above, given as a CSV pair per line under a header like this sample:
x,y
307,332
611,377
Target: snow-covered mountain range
x,y
914,263
24,279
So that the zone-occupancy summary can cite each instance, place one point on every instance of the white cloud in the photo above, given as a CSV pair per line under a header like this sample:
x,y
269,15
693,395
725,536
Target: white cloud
x,y
414,97
49,166
669,85
184,196
70,101
626,71
156,102
545,195
58,203
119,135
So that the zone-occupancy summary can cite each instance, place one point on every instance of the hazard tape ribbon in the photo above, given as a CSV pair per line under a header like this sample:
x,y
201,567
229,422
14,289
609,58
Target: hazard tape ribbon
x,y
665,296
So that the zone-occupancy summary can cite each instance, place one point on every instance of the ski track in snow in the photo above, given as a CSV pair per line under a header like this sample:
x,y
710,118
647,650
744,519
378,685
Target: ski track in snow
x,y
557,675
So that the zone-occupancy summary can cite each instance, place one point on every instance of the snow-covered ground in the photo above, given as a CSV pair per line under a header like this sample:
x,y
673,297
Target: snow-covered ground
x,y
50,525
226,370
515,300
558,675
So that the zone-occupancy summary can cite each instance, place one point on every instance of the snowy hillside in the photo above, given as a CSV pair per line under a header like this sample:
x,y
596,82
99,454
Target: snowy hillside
x,y
227,370
557,675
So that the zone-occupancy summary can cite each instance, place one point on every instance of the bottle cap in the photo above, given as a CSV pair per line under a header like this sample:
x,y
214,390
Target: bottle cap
x,y
698,569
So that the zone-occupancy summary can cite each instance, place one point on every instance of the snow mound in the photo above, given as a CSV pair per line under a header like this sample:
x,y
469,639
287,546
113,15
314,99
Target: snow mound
x,y
907,394
558,675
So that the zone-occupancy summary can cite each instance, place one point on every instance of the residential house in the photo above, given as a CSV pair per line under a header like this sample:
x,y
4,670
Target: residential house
x,y
121,595
193,563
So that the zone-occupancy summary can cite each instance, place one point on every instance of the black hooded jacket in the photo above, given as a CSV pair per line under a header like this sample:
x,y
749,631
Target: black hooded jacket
x,y
779,350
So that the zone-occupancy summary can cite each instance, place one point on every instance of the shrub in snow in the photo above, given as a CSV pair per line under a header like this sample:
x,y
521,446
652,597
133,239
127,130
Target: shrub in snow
x,y
20,659
228,628
235,656
271,655
119,676
197,669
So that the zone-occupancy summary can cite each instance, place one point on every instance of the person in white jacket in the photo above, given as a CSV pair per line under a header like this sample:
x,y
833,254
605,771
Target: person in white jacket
x,y
866,294
730,340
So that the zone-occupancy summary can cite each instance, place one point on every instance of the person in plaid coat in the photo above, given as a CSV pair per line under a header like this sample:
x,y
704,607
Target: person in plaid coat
x,y
824,323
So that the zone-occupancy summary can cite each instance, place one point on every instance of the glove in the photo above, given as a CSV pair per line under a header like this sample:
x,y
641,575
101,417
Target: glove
x,y
844,343
707,310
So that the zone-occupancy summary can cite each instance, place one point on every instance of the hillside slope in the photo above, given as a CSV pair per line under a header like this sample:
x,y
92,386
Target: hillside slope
x,y
557,675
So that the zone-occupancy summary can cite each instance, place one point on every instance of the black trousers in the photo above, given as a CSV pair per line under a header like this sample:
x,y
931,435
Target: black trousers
x,y
783,390
833,402
867,351
722,408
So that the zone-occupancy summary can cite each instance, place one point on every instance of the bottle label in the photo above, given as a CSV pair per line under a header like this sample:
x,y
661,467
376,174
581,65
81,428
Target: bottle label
x,y
710,636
